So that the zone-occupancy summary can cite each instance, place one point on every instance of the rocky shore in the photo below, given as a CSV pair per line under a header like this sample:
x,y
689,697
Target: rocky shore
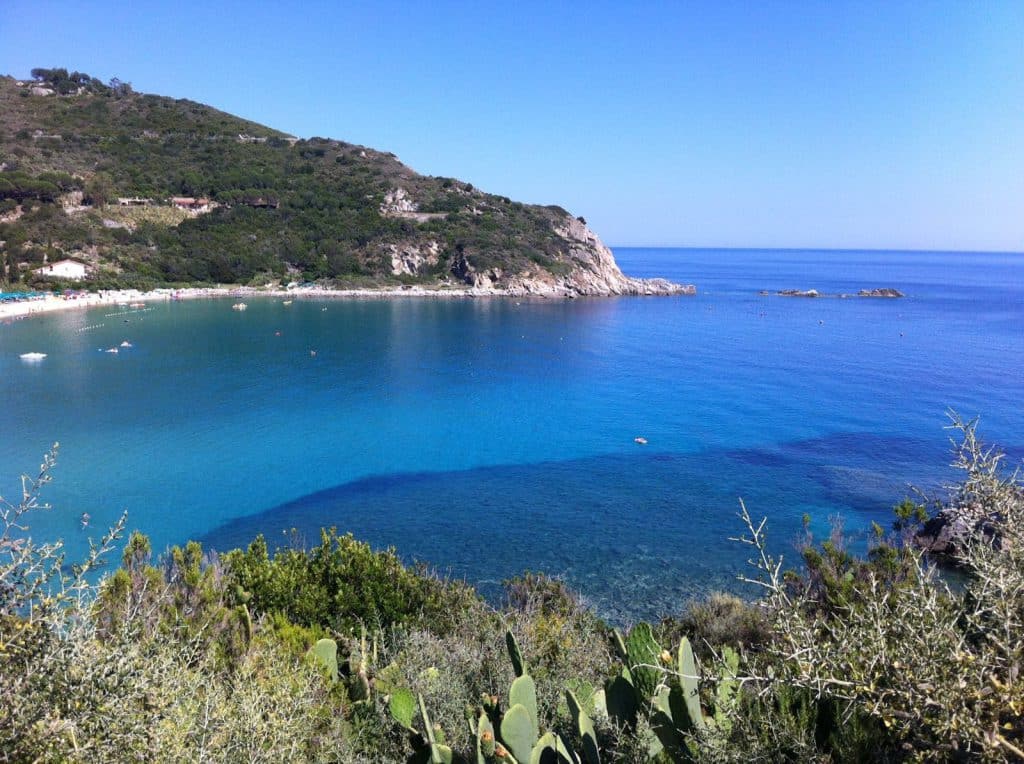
x,y
593,273
947,533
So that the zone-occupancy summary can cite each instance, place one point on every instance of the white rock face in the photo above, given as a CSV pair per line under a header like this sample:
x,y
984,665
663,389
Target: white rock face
x,y
597,273
396,202
594,272
410,260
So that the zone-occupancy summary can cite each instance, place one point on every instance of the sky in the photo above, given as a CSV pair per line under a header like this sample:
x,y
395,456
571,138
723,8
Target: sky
x,y
881,125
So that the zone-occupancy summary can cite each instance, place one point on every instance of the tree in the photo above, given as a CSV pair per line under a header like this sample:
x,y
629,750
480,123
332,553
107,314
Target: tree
x,y
99,190
120,89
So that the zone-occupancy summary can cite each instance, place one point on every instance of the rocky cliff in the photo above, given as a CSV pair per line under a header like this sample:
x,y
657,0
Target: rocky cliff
x,y
592,271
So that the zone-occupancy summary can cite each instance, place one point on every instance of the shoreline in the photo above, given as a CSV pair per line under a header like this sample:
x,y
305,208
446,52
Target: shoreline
x,y
123,297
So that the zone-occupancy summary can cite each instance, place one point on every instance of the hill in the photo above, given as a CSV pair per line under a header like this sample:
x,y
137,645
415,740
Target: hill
x,y
149,190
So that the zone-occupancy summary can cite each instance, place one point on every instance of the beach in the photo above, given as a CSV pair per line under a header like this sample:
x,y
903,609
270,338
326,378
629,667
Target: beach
x,y
51,303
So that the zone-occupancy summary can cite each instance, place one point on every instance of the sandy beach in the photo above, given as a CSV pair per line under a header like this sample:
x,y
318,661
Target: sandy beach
x,y
37,306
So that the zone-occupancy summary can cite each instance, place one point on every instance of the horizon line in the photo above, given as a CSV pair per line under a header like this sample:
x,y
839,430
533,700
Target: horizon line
x,y
824,249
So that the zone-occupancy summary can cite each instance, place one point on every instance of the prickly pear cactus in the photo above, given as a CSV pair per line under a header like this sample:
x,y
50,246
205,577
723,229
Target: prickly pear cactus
x,y
514,653
402,705
689,682
585,728
325,654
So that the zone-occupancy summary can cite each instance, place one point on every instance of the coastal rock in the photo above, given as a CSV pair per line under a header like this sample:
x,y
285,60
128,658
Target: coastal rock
x,y
798,293
883,292
948,532
595,271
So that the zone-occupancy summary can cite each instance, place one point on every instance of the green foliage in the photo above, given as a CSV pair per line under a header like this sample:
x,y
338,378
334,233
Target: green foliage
x,y
584,728
641,658
514,654
195,656
934,670
281,204
518,732
325,654
65,83
403,707
716,620
343,584
909,515
20,186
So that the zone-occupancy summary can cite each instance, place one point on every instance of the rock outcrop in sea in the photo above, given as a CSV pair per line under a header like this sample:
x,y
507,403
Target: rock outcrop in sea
x,y
883,292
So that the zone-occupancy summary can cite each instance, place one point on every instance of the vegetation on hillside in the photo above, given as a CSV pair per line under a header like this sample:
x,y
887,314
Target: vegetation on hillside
x,y
340,653
281,208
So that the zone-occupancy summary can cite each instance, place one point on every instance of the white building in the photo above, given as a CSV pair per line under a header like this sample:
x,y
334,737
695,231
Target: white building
x,y
64,269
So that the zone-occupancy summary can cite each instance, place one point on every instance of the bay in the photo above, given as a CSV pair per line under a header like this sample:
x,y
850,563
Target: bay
x,y
491,436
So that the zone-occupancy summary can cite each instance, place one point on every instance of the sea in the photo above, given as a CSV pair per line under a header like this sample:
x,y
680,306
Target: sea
x,y
487,437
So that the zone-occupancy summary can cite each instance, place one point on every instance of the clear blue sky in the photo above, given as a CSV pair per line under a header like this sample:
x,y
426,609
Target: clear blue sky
x,y
818,124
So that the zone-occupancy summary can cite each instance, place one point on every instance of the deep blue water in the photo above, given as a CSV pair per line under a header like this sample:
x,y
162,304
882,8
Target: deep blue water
x,y
487,437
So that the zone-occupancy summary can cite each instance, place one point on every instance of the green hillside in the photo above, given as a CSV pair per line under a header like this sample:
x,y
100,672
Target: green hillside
x,y
279,208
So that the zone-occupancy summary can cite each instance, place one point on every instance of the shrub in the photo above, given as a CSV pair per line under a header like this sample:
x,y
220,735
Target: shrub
x,y
717,620
937,668
343,584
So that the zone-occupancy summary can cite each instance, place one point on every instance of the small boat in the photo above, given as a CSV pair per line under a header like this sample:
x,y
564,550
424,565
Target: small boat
x,y
640,440
33,356
110,350
126,344
287,302
137,305
239,306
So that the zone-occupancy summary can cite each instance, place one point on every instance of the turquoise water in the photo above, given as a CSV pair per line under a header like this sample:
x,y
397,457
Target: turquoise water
x,y
491,436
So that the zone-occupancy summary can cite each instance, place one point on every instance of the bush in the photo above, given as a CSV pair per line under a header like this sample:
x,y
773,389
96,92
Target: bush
x,y
887,638
343,584
719,619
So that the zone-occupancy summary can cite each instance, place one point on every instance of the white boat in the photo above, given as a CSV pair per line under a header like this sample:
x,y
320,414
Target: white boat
x,y
239,306
33,356
287,302
110,350
126,344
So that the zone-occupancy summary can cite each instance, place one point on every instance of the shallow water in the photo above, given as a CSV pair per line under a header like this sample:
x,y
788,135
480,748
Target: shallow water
x,y
491,436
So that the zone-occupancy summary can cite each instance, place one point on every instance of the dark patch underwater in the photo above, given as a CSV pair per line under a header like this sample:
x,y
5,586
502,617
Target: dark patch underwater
x,y
637,535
